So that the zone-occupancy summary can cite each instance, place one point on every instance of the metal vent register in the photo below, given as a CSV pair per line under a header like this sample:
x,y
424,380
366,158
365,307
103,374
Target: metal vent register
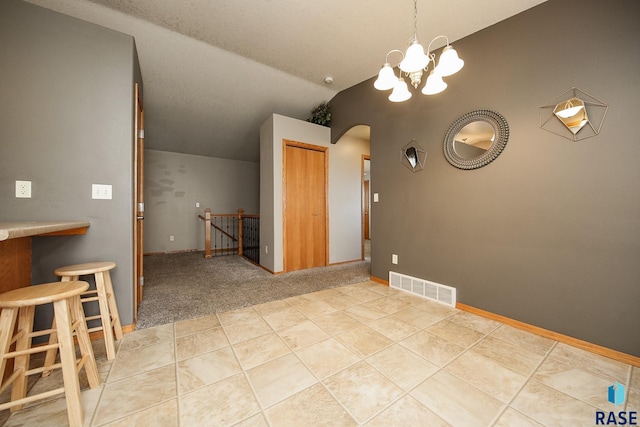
x,y
434,291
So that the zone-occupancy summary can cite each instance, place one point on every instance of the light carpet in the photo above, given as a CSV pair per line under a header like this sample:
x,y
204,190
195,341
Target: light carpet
x,y
186,285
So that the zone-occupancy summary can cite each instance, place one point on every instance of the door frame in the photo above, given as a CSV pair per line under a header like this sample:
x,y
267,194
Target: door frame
x,y
290,143
138,205
365,157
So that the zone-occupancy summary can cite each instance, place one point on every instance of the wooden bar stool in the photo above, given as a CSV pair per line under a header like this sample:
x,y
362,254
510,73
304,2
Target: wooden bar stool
x,y
19,306
109,317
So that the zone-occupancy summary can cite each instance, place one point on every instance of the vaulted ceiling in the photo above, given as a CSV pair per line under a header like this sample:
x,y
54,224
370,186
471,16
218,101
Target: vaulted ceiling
x,y
214,70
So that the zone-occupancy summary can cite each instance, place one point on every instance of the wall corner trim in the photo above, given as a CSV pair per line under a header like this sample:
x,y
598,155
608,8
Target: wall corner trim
x,y
379,280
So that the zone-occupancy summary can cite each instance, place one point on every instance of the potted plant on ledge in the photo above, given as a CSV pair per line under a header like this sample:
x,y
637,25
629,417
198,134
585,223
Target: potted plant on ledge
x,y
321,115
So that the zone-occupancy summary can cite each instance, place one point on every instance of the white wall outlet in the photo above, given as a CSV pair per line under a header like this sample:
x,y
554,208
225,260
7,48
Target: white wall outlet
x,y
101,191
23,189
197,204
266,249
375,197
172,238
394,259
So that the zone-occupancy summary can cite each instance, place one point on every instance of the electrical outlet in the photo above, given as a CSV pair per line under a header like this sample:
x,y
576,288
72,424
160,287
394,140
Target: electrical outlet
x,y
394,259
375,197
171,238
23,189
266,249
197,204
101,191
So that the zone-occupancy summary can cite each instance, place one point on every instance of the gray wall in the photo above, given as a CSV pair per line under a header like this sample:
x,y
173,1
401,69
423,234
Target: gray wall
x,y
549,233
66,122
175,182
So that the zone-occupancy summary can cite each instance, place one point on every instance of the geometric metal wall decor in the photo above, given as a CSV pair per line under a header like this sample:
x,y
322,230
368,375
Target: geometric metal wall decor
x,y
413,156
574,114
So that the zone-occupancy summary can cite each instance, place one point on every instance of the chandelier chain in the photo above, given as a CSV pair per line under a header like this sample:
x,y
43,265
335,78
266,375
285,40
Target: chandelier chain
x,y
415,19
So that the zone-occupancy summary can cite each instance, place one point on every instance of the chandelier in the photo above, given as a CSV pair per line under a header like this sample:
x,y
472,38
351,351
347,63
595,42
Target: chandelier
x,y
415,63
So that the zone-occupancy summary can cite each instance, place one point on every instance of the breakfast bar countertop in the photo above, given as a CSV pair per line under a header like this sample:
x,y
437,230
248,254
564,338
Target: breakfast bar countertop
x,y
17,229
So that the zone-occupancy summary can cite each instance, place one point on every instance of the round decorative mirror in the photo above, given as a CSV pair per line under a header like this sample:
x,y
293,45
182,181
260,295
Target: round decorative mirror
x,y
476,139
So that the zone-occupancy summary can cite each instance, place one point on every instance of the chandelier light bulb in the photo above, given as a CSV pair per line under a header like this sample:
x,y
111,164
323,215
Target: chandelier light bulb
x,y
414,59
400,91
449,62
434,84
386,78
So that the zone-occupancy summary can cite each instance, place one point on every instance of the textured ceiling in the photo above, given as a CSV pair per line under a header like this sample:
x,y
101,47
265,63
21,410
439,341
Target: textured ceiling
x,y
214,70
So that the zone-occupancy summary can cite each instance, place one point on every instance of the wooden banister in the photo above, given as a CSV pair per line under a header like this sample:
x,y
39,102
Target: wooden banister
x,y
209,223
240,212
207,233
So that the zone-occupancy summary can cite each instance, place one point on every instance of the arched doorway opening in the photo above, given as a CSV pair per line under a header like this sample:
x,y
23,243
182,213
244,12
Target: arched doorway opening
x,y
361,135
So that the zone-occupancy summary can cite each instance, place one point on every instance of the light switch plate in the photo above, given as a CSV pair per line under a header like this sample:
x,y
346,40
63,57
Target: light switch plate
x,y
101,191
375,197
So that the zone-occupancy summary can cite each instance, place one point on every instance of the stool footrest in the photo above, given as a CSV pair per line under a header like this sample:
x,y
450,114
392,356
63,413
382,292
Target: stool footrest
x,y
31,350
42,369
96,329
18,334
96,317
89,299
80,362
33,398
11,379
41,333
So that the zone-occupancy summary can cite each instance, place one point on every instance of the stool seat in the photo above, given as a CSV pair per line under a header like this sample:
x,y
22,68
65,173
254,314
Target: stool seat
x,y
41,294
16,328
86,268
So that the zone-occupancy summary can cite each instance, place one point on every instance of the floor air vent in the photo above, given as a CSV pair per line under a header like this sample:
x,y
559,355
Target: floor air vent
x,y
434,291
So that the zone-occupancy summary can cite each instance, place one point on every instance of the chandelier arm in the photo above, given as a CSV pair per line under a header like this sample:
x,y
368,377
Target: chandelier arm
x,y
434,39
386,59
432,58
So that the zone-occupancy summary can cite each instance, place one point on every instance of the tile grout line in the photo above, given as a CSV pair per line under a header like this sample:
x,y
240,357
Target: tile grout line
x,y
529,378
175,366
244,373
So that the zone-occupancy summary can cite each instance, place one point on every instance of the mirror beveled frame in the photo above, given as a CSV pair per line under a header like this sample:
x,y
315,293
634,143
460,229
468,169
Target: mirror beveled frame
x,y
501,136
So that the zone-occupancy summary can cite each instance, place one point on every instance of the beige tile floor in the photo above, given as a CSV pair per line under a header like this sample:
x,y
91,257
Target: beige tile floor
x,y
360,354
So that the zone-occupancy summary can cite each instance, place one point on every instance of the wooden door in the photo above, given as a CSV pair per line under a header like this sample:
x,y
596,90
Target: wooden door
x,y
139,204
305,206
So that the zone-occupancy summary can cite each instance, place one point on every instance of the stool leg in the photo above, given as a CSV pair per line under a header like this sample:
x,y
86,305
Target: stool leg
x,y
68,359
113,307
107,330
7,325
50,357
25,326
84,342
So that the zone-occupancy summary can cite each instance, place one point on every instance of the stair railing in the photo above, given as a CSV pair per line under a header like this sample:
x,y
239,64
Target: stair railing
x,y
231,234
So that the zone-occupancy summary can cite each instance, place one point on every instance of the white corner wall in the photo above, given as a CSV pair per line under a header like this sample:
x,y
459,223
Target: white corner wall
x,y
344,189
